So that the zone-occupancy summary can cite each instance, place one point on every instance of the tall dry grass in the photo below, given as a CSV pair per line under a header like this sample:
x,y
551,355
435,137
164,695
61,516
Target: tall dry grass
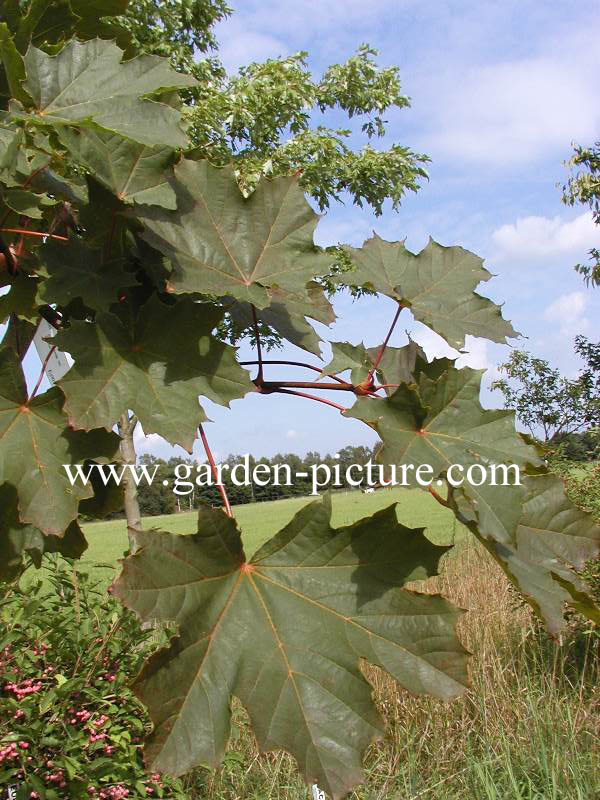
x,y
528,728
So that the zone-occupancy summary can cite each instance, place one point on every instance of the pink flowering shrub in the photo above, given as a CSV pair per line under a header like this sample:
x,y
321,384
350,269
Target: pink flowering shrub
x,y
69,725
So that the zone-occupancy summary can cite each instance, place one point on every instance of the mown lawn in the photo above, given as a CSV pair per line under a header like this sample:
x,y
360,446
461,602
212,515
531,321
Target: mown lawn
x,y
260,521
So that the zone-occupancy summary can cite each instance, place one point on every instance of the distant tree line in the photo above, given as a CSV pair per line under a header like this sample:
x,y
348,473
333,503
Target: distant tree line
x,y
158,498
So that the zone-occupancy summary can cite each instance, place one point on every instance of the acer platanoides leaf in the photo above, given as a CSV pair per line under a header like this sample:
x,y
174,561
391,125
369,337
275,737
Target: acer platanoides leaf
x,y
133,172
285,633
553,538
35,444
88,82
123,365
17,539
221,243
437,285
439,423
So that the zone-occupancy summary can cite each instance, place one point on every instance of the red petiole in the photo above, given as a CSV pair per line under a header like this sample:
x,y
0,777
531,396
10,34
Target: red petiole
x,y
215,472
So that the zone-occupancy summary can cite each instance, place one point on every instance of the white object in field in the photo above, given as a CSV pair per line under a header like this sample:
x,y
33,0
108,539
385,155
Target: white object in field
x,y
58,363
317,794
369,490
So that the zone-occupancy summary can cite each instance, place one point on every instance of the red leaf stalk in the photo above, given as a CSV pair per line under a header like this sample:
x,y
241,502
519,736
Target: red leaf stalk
x,y
215,473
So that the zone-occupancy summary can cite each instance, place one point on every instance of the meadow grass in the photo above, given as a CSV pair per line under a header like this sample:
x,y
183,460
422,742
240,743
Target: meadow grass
x,y
527,729
260,521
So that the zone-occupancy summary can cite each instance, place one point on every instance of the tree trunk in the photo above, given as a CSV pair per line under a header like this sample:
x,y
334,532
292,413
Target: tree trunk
x,y
128,456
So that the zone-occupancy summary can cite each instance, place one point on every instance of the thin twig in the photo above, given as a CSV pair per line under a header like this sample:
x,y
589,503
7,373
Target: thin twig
x,y
292,364
39,234
385,342
215,473
438,497
335,387
312,397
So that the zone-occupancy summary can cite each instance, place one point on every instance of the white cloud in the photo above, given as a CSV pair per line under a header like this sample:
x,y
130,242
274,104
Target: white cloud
x,y
513,111
547,237
240,46
291,434
568,312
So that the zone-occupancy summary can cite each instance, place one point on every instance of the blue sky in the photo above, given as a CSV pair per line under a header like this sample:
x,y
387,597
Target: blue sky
x,y
499,91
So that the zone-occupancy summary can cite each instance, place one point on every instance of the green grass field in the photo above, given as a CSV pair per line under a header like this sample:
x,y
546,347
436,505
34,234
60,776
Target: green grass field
x,y
260,521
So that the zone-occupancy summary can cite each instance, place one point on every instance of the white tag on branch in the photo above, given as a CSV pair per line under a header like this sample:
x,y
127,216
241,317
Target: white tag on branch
x,y
57,363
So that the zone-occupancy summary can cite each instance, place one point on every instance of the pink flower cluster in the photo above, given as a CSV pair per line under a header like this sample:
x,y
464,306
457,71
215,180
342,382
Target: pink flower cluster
x,y
26,688
11,751
57,777
117,792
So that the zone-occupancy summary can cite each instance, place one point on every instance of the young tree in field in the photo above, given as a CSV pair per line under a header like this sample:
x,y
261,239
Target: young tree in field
x,y
119,231
583,188
547,403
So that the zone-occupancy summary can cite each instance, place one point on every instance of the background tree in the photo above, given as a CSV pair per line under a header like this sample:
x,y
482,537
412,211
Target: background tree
x,y
583,188
548,404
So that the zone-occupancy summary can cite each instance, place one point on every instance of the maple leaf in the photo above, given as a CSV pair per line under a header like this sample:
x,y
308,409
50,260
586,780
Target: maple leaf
x,y
552,539
17,539
132,171
36,443
440,422
285,633
221,243
88,82
437,285
76,270
123,364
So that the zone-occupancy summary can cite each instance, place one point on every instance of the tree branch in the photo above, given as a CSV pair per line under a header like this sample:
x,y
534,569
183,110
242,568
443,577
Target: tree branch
x,y
311,397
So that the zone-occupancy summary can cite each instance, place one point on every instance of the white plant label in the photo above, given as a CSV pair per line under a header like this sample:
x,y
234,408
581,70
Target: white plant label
x,y
58,363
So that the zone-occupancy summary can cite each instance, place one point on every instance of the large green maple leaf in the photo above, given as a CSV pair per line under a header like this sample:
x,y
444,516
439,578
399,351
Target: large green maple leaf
x,y
437,285
285,633
440,422
35,444
88,82
76,270
222,243
123,364
133,172
17,539
553,538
